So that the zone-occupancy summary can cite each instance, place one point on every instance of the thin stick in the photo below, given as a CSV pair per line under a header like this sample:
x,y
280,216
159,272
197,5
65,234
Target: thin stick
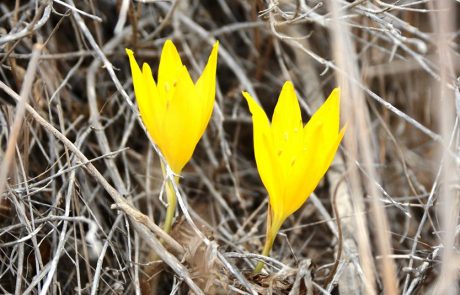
x,y
30,28
19,116
339,232
449,197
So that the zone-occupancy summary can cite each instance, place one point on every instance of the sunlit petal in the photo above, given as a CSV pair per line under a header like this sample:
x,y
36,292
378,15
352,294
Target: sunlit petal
x,y
287,118
151,106
138,79
327,119
266,159
287,129
170,66
180,127
206,89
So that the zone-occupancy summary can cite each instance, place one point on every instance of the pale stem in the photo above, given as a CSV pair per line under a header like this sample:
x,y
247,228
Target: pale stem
x,y
171,196
172,201
273,226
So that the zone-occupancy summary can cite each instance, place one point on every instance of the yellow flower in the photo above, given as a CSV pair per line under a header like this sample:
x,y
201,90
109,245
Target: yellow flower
x,y
292,158
175,110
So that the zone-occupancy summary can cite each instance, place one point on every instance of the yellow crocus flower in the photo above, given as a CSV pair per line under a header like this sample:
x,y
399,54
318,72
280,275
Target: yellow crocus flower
x,y
175,110
292,158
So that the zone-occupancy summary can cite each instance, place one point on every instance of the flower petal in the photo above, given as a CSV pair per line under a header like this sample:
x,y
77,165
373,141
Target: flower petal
x,y
152,106
321,140
330,153
170,66
266,160
141,91
206,89
308,171
138,79
328,117
287,116
180,125
287,129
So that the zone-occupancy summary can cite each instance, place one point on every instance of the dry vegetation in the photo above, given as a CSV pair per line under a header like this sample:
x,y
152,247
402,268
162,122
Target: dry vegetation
x,y
80,182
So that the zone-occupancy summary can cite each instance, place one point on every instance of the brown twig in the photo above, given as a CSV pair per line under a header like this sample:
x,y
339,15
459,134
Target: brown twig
x,y
339,232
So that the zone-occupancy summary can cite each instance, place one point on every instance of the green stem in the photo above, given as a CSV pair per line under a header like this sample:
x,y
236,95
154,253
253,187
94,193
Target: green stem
x,y
273,226
269,240
172,201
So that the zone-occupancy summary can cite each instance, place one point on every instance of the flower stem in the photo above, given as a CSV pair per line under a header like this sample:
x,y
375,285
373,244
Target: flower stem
x,y
172,200
273,226
171,196
269,240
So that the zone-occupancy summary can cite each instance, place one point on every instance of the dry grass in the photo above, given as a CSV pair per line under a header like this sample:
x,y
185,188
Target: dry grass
x,y
80,182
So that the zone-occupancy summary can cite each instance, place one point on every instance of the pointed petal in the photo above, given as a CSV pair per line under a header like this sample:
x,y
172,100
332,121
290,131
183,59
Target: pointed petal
x,y
180,124
170,65
287,129
330,110
321,131
206,88
266,160
330,154
321,140
140,91
151,106
328,117
307,174
138,80
286,116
